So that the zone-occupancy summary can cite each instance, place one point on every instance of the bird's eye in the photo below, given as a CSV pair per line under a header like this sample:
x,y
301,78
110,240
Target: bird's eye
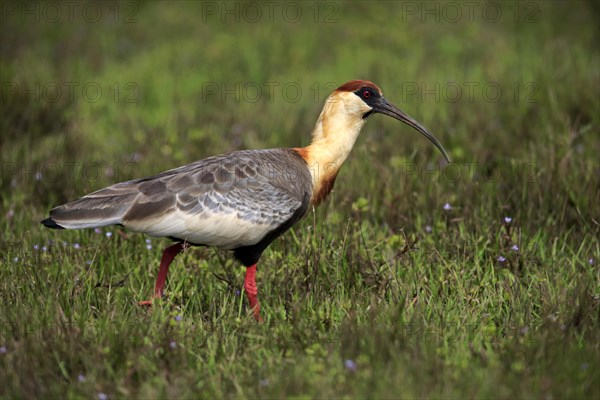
x,y
366,94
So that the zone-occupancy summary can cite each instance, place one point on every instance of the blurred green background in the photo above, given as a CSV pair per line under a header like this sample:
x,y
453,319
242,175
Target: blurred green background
x,y
94,93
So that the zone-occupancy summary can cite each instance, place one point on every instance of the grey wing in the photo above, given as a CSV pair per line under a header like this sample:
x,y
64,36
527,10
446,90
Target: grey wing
x,y
228,201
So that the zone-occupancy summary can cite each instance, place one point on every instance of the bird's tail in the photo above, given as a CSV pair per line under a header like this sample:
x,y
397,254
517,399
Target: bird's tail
x,y
104,207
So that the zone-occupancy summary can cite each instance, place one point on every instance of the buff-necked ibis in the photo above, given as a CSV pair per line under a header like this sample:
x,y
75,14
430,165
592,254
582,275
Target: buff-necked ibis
x,y
239,201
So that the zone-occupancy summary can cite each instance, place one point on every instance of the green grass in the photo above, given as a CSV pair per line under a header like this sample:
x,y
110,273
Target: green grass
x,y
381,293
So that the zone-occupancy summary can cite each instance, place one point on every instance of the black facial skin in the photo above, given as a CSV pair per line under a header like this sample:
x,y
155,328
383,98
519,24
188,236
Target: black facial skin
x,y
369,96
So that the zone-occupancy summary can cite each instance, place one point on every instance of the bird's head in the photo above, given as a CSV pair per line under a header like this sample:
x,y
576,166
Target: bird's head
x,y
359,99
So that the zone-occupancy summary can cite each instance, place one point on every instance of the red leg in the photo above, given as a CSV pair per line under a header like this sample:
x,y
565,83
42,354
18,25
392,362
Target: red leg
x,y
252,291
166,260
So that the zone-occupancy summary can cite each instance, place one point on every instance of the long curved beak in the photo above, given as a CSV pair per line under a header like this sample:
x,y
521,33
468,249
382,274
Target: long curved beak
x,y
387,108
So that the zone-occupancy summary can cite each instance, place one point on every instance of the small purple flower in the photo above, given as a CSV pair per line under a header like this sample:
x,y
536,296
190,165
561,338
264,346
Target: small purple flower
x,y
508,220
591,261
149,246
38,176
264,382
108,234
3,350
98,230
81,378
523,331
135,157
237,292
88,262
350,365
102,396
428,228
514,248
501,259
76,246
36,247
178,318
148,241
447,207
44,249
173,344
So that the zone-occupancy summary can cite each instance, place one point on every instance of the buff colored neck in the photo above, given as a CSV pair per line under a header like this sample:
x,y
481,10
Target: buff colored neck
x,y
334,136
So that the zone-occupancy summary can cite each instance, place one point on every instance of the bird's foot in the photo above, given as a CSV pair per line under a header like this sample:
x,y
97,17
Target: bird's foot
x,y
166,260
149,303
145,303
256,313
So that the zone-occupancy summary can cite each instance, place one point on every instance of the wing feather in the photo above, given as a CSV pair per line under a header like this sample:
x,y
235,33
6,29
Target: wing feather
x,y
228,200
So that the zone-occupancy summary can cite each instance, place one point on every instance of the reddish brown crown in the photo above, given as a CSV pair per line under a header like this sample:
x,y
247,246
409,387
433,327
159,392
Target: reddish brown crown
x,y
353,86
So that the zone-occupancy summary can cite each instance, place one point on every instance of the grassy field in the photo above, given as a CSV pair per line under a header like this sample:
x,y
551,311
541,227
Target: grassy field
x,y
477,279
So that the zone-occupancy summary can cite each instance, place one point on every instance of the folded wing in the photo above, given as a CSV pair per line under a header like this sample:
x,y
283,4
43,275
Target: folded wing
x,y
228,201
